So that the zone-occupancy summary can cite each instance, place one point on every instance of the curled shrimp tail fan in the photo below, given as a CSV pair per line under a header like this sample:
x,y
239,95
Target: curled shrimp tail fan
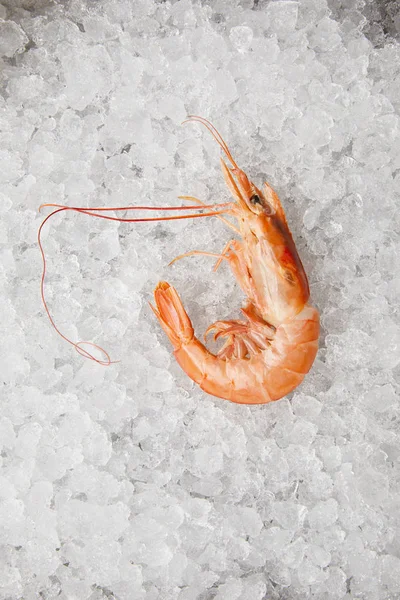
x,y
170,312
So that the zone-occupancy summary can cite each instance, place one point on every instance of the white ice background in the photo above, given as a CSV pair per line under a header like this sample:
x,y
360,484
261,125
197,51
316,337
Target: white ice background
x,y
128,482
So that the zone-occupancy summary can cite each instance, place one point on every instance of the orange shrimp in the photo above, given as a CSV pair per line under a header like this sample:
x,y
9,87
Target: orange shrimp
x,y
268,352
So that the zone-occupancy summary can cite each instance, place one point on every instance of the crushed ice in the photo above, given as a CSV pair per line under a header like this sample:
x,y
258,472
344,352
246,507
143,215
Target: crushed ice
x,y
128,482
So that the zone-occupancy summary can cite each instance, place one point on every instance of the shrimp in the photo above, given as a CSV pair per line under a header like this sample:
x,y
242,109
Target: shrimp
x,y
268,352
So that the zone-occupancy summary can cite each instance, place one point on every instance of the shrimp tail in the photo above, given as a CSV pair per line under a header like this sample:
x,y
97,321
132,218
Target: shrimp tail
x,y
173,317
192,356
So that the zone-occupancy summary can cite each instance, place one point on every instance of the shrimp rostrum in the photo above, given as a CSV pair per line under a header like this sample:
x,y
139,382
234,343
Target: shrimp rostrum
x,y
266,354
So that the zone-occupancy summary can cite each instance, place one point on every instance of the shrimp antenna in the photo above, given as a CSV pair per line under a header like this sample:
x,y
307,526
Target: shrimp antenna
x,y
216,135
213,210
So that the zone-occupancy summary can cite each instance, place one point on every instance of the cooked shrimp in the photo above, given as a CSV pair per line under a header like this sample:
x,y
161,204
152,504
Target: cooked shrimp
x,y
267,354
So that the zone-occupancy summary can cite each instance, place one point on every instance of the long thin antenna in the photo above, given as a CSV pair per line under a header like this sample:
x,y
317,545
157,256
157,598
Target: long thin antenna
x,y
215,133
89,211
126,208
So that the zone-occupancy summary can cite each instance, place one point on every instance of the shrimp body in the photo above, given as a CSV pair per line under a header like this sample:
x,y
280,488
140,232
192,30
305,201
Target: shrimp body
x,y
263,376
267,354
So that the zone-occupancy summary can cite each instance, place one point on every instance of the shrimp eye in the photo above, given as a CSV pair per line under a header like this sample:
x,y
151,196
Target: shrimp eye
x,y
255,199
